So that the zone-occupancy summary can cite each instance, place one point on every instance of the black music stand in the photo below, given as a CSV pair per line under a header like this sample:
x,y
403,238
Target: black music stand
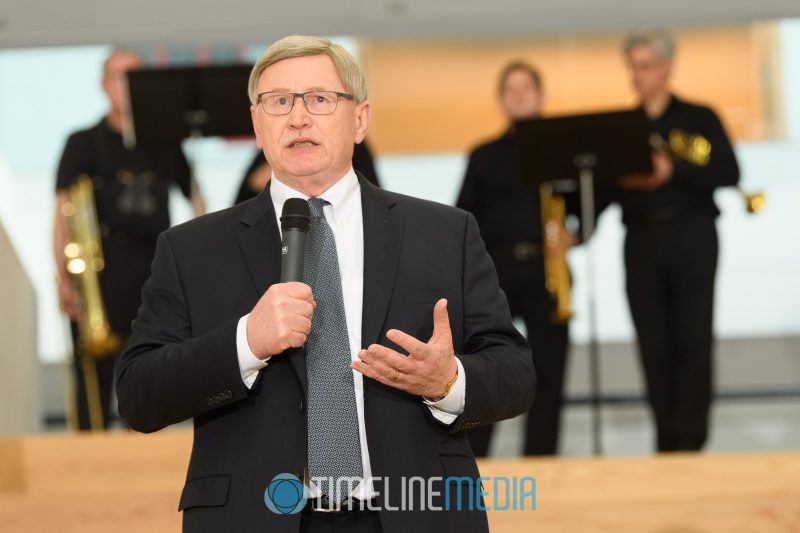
x,y
582,148
169,105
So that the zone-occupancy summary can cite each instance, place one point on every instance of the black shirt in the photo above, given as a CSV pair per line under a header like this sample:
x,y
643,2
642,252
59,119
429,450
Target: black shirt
x,y
691,189
506,207
507,211
131,198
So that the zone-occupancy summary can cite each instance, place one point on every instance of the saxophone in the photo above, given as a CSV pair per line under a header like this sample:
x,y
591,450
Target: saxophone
x,y
556,272
696,150
84,255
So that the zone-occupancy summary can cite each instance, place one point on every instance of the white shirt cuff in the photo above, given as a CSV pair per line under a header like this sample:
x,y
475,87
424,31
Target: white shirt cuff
x,y
451,406
249,364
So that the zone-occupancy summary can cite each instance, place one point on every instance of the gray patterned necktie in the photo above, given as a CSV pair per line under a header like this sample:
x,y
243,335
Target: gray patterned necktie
x,y
334,448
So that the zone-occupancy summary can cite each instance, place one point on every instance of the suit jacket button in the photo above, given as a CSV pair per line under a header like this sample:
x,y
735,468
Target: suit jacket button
x,y
301,406
228,395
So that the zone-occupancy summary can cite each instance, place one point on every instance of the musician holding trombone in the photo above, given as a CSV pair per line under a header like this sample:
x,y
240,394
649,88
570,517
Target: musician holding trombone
x,y
111,205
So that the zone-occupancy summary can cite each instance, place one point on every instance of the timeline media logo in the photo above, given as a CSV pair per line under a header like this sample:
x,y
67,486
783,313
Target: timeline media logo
x,y
285,494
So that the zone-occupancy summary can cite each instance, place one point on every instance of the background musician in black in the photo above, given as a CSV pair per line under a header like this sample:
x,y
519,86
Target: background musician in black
x,y
671,246
508,213
131,198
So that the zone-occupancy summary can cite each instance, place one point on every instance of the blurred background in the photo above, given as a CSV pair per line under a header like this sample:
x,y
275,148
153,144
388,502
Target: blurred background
x,y
432,69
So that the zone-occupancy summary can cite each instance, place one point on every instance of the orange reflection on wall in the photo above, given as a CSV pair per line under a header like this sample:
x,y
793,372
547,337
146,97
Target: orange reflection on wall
x,y
441,95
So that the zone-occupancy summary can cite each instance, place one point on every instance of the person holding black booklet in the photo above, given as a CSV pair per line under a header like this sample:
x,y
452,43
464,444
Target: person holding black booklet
x,y
671,245
131,197
508,212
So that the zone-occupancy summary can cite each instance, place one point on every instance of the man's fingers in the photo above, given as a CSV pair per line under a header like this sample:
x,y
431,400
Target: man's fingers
x,y
297,339
405,341
383,357
297,307
637,182
301,324
299,290
441,329
377,368
441,321
369,371
633,178
381,370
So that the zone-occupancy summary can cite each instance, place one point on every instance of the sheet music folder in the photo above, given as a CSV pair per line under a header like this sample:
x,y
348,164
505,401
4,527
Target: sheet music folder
x,y
611,144
169,105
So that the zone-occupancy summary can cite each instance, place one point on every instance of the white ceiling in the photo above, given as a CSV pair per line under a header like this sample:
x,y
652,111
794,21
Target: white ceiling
x,y
138,22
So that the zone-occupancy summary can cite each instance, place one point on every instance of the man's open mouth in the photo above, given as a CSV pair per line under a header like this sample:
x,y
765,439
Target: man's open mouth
x,y
302,143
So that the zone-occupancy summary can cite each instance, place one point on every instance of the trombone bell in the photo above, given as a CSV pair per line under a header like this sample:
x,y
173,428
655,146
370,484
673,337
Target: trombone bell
x,y
754,202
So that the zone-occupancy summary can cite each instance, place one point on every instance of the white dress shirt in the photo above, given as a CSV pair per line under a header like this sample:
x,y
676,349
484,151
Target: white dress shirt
x,y
343,214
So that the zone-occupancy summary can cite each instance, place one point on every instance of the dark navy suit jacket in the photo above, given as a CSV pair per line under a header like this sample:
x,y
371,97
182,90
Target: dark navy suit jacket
x,y
182,362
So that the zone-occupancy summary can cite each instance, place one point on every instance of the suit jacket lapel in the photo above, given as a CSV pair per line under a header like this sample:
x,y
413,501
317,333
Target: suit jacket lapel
x,y
260,242
383,236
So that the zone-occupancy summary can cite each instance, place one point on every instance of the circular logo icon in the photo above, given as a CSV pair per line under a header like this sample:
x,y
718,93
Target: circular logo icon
x,y
285,494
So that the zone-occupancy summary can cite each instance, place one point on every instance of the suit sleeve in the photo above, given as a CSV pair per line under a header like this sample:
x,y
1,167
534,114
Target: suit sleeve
x,y
722,169
165,375
500,378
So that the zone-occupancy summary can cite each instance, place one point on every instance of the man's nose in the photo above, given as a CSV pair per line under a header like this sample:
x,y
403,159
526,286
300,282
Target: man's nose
x,y
299,117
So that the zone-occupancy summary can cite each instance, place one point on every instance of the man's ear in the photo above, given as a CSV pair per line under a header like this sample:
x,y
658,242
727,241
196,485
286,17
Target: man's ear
x,y
256,128
363,117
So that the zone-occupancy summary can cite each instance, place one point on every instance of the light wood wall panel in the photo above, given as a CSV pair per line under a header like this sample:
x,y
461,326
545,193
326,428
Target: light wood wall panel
x,y
438,96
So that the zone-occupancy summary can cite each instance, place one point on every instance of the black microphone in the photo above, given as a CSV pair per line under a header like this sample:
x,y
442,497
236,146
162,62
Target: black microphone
x,y
295,220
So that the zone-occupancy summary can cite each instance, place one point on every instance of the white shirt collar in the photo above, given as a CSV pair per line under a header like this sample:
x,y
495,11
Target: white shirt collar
x,y
342,195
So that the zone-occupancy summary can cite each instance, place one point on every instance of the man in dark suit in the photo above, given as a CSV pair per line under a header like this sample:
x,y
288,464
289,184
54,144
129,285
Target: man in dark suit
x,y
370,371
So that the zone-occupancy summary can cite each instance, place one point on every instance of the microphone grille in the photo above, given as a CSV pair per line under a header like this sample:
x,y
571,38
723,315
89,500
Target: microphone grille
x,y
295,215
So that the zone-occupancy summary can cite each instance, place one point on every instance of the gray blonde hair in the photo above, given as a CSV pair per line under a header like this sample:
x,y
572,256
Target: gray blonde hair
x,y
661,41
350,72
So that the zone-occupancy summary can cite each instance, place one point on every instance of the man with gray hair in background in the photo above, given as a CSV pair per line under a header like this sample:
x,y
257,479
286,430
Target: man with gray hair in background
x,y
671,245
369,370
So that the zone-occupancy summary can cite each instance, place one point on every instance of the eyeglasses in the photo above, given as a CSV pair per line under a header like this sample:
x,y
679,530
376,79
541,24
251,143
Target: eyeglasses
x,y
316,102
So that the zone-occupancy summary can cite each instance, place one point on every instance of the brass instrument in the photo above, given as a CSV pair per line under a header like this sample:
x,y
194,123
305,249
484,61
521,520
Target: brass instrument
x,y
696,150
754,202
554,251
84,255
